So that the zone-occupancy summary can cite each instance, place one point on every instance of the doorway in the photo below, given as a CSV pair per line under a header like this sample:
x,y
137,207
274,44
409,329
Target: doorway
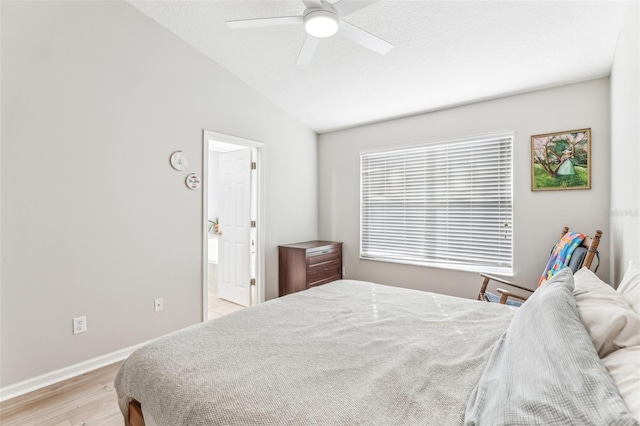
x,y
233,237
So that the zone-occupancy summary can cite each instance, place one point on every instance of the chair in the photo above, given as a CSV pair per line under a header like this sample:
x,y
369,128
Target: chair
x,y
582,257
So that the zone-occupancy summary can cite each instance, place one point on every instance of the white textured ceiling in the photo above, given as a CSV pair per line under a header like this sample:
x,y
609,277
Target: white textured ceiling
x,y
446,53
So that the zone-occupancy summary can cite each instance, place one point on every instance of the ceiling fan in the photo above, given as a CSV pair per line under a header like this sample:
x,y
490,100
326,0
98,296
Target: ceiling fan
x,y
322,19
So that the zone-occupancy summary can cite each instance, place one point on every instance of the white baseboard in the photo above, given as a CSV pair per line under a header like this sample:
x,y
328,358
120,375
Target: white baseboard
x,y
56,376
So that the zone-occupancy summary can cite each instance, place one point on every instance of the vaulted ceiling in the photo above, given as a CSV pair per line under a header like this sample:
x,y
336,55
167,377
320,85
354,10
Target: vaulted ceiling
x,y
445,53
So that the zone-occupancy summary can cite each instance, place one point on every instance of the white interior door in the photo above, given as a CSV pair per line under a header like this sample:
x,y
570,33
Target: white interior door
x,y
235,226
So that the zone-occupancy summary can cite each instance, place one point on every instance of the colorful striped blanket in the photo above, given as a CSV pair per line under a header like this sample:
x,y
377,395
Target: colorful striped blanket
x,y
561,254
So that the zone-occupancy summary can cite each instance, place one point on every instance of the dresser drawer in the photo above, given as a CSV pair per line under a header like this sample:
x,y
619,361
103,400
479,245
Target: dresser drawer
x,y
322,256
325,281
318,267
323,276
324,268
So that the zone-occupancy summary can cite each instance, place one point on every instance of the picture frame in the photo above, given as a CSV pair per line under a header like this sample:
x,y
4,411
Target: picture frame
x,y
561,160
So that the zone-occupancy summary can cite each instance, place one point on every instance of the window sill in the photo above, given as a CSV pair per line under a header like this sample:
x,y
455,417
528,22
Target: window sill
x,y
497,270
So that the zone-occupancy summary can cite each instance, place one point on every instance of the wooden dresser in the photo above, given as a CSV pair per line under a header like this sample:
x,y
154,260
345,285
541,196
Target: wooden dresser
x,y
308,264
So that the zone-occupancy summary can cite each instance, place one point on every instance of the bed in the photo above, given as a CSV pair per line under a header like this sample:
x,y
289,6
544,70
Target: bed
x,y
353,352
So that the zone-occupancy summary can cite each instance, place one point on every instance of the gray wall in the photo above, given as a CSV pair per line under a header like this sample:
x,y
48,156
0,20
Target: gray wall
x,y
538,217
95,97
625,146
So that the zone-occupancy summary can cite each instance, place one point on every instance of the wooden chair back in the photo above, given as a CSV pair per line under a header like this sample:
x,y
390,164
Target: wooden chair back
x,y
590,244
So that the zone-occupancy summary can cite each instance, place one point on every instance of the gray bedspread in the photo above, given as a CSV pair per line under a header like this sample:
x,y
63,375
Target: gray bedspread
x,y
544,369
348,352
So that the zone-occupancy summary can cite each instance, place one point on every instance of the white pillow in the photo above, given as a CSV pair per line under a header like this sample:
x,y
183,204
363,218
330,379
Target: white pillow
x,y
605,313
624,367
630,286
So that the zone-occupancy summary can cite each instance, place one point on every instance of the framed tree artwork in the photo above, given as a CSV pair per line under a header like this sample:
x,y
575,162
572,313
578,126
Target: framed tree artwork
x,y
561,160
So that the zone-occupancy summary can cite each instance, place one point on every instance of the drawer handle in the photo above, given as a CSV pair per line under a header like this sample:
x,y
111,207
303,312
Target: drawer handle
x,y
325,269
326,251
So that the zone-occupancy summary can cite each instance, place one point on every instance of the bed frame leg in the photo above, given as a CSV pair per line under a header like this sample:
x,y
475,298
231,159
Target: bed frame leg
x,y
135,414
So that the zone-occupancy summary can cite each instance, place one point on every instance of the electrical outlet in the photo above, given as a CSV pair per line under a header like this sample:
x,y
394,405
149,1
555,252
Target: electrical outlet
x,y
344,271
158,305
79,325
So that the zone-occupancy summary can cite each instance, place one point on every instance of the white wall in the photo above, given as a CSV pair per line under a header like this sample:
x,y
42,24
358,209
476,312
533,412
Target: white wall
x,y
95,222
538,217
625,146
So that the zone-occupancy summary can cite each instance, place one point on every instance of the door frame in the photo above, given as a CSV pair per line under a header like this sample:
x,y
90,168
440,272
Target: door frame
x,y
258,294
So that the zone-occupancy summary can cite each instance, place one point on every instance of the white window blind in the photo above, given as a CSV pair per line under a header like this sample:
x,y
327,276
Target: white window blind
x,y
445,204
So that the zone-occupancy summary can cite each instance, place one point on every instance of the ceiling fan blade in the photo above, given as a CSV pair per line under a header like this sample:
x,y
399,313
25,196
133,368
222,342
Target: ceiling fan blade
x,y
363,38
308,49
264,22
347,7
310,4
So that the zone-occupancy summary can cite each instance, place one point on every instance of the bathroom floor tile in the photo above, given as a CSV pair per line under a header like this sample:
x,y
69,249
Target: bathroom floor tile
x,y
227,309
220,307
215,301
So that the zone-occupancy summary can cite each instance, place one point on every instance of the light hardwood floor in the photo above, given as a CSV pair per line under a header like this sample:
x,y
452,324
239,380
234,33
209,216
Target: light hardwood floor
x,y
86,400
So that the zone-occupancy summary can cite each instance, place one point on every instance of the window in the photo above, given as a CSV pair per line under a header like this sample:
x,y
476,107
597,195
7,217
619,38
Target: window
x,y
446,204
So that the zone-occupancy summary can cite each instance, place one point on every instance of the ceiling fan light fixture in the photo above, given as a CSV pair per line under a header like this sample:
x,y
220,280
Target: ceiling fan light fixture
x,y
321,23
